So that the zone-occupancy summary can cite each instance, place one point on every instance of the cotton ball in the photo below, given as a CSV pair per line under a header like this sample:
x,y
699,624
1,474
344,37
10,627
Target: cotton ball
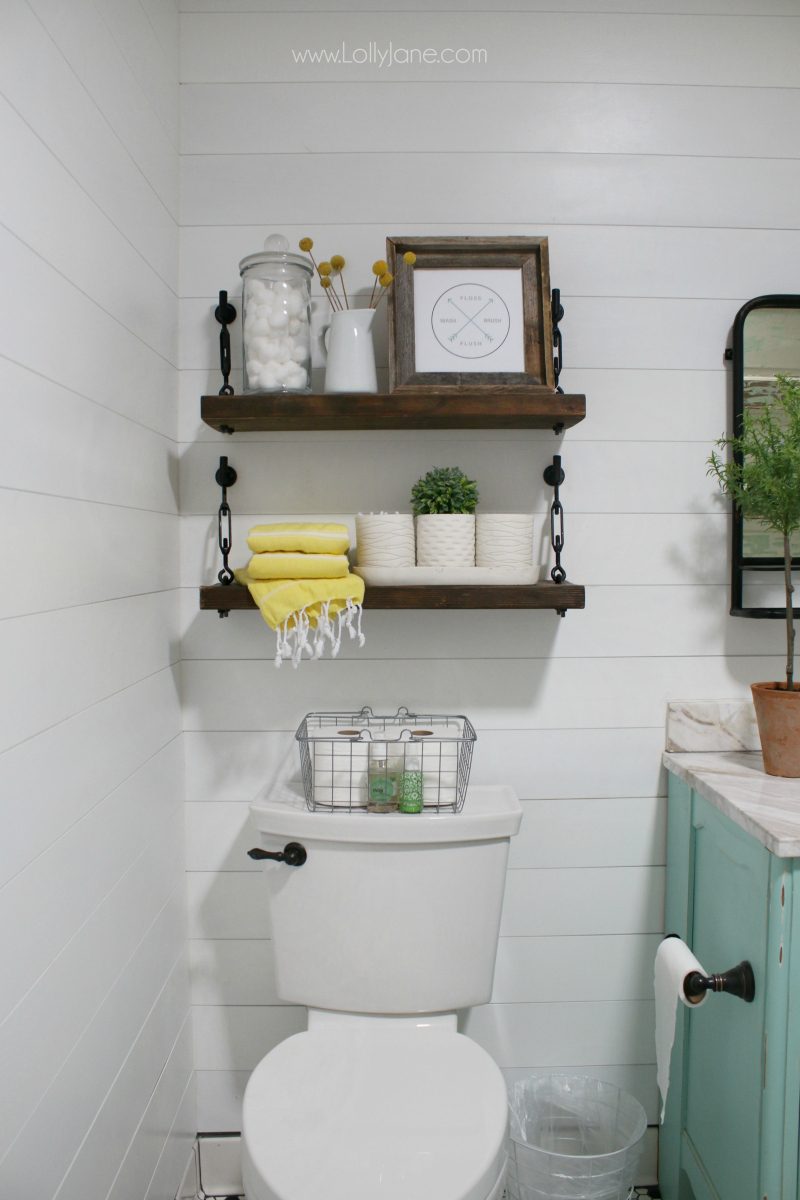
x,y
293,327
268,297
283,353
270,349
299,353
293,303
262,348
265,311
282,369
268,378
299,377
279,319
254,286
262,329
254,368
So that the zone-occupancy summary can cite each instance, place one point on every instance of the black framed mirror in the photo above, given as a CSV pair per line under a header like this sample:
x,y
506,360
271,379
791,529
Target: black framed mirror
x,y
766,342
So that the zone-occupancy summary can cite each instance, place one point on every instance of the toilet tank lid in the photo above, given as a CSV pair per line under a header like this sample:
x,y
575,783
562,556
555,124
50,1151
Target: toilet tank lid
x,y
488,813
359,1115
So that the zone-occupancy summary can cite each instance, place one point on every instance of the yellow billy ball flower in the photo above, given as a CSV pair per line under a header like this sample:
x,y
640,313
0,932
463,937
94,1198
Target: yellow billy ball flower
x,y
326,281
337,262
409,257
380,267
325,268
386,278
306,244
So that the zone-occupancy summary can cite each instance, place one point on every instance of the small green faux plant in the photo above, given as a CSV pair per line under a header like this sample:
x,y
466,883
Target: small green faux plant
x,y
444,490
764,479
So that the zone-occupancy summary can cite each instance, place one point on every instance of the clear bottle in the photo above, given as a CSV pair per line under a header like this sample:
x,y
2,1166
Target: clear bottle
x,y
409,792
382,781
276,311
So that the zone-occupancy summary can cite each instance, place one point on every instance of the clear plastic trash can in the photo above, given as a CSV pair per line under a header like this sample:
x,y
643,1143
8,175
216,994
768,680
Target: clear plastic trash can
x,y
573,1138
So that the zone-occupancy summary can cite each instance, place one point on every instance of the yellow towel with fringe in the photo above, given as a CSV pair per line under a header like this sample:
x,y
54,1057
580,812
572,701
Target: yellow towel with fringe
x,y
295,607
287,565
307,537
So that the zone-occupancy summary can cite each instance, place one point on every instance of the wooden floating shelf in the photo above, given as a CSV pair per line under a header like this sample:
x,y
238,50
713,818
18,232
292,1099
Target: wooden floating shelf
x,y
478,408
558,596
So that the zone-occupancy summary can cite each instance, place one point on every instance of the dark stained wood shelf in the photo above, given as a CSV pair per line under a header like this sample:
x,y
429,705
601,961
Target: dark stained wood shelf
x,y
495,408
559,596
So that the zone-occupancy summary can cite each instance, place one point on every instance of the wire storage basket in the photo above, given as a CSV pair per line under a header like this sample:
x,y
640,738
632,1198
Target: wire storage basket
x,y
408,762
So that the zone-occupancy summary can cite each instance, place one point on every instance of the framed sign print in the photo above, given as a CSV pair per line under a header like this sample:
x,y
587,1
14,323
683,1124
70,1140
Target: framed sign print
x,y
471,313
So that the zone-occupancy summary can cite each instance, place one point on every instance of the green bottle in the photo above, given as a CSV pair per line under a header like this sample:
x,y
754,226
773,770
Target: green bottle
x,y
410,786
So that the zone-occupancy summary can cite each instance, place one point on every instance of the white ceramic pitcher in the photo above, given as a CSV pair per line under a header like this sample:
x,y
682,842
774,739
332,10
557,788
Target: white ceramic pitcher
x,y
351,354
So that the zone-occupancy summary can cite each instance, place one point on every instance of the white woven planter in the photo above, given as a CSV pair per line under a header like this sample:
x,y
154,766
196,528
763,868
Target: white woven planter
x,y
504,539
385,540
446,540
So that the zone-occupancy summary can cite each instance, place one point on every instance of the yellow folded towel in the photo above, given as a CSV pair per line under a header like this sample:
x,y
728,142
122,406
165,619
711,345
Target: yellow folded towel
x,y
293,607
308,537
286,565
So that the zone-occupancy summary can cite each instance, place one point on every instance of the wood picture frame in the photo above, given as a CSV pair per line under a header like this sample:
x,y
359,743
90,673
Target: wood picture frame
x,y
529,255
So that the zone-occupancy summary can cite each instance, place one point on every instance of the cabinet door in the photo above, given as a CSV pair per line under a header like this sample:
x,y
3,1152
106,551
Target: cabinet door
x,y
724,1050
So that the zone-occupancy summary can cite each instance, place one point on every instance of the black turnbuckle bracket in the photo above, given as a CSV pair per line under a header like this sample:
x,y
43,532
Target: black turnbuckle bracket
x,y
226,315
554,476
557,309
739,981
225,477
293,854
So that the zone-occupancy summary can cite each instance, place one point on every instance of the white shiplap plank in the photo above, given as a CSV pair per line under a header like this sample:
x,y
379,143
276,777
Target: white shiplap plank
x,y
96,1164
567,902
45,328
233,971
500,693
375,475
542,764
102,985
40,914
177,1149
108,79
602,189
588,118
605,332
65,661
585,260
129,465
619,1031
544,969
152,1133
554,833
133,552
758,8
42,86
627,832
227,904
238,1037
45,202
610,48
618,620
124,732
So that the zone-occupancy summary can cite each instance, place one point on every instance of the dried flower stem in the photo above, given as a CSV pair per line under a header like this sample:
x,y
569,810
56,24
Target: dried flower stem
x,y
341,278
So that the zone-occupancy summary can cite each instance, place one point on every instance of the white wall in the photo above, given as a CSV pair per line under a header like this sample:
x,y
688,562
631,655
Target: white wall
x,y
658,152
97,1095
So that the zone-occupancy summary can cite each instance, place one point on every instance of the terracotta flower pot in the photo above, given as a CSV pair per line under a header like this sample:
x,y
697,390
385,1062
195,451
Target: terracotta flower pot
x,y
778,716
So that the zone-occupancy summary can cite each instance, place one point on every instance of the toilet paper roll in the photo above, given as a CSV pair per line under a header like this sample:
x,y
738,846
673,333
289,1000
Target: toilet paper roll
x,y
674,961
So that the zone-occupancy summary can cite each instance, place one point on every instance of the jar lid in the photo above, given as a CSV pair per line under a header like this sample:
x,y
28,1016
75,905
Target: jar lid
x,y
276,250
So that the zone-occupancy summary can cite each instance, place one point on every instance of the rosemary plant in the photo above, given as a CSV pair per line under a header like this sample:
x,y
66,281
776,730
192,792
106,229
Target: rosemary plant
x,y
763,479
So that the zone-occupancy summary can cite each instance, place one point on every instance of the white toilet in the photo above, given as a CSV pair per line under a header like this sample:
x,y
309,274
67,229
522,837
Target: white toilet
x,y
388,926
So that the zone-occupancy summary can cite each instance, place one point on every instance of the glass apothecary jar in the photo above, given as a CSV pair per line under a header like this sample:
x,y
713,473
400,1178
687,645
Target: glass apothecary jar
x,y
276,310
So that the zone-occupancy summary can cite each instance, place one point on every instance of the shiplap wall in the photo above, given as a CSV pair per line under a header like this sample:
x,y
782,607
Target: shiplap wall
x,y
97,1094
657,148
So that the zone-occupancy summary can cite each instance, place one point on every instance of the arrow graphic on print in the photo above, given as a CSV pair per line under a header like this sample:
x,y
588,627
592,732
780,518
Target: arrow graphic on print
x,y
470,321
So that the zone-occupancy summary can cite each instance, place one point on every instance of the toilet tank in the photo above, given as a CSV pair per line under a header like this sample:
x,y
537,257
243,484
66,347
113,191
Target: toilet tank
x,y
390,912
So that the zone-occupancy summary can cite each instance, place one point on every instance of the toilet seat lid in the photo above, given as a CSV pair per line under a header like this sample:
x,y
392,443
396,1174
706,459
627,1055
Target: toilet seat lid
x,y
369,1115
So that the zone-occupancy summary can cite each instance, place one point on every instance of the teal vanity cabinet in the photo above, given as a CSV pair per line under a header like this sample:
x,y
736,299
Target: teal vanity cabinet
x,y
732,1124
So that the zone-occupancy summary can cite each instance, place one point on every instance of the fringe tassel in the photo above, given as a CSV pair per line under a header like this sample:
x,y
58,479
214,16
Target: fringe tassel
x,y
292,640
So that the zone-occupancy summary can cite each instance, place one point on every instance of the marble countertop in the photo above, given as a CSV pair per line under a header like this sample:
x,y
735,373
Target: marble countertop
x,y
735,782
